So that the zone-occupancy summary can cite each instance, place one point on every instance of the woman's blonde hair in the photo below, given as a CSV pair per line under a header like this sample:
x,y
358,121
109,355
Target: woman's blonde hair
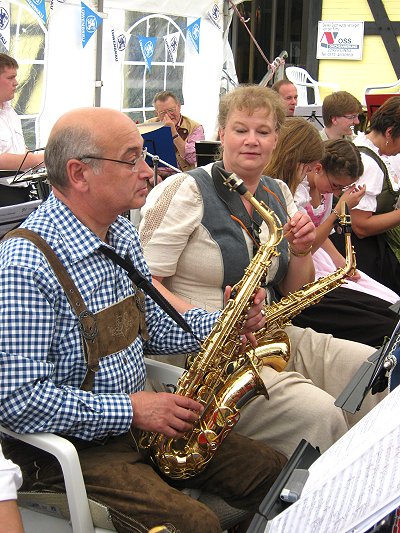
x,y
298,142
250,98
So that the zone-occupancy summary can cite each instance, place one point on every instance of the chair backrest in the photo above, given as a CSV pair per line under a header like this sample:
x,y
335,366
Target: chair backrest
x,y
303,81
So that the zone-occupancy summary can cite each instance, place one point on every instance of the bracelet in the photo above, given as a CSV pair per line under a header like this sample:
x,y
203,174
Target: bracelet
x,y
175,136
299,254
336,213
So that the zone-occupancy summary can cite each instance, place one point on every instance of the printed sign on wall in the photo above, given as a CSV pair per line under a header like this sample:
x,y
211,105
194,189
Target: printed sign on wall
x,y
340,40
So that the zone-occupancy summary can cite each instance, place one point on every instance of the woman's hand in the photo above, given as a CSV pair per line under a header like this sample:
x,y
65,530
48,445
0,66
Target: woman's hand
x,y
255,316
300,232
352,196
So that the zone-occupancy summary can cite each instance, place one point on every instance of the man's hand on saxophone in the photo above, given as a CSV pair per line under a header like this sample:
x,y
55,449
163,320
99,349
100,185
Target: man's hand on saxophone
x,y
173,414
163,412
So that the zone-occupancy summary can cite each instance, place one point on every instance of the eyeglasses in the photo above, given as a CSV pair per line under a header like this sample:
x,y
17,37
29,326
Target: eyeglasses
x,y
341,188
132,164
169,111
350,117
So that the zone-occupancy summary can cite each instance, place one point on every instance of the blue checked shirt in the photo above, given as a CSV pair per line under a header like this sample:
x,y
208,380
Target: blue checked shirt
x,y
41,362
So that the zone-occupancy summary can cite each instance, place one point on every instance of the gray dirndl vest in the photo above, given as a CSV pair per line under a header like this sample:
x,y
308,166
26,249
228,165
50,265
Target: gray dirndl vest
x,y
219,204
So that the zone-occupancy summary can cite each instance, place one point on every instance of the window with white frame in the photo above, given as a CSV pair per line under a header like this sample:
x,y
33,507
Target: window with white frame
x,y
140,84
28,40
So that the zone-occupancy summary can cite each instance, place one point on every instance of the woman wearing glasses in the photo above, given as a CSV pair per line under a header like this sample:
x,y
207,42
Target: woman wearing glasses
x,y
376,219
199,237
316,172
340,112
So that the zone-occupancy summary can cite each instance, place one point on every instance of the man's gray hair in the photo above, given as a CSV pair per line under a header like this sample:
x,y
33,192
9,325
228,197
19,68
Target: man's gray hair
x,y
65,144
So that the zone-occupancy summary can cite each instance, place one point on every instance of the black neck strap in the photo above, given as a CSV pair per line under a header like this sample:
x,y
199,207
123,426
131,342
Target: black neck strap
x,y
144,284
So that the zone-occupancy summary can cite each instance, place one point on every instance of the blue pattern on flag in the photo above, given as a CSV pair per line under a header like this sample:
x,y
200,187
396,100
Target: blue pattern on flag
x,y
39,8
147,45
90,21
193,32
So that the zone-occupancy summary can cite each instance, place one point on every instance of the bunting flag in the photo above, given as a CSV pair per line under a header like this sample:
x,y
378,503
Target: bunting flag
x,y
90,21
214,14
119,42
193,32
5,24
39,8
147,45
171,43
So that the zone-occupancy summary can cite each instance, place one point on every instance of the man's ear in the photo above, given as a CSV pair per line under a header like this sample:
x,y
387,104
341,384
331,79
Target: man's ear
x,y
221,135
76,171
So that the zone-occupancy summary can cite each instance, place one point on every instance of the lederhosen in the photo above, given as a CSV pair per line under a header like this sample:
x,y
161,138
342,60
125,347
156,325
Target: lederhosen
x,y
105,464
103,333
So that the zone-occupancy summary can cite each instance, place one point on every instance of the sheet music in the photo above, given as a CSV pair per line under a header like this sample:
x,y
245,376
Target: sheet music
x,y
356,482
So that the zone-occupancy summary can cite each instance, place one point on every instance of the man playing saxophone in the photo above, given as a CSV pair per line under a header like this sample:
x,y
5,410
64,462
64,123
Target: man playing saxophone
x,y
199,237
74,328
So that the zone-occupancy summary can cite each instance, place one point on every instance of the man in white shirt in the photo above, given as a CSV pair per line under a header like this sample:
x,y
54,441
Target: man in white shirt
x,y
13,152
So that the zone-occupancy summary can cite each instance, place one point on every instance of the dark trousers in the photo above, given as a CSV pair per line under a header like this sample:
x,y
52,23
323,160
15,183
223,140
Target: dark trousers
x,y
124,480
374,257
351,315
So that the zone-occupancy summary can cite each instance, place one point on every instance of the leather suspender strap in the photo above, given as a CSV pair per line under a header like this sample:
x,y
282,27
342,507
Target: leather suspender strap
x,y
87,321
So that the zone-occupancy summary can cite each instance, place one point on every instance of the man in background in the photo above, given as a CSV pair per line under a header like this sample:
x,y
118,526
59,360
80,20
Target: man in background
x,y
13,154
340,111
288,93
185,131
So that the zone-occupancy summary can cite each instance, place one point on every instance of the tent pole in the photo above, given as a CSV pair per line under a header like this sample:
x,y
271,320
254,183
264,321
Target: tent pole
x,y
99,58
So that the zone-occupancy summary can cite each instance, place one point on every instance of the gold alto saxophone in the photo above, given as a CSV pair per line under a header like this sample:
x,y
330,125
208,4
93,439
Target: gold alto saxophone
x,y
273,345
220,378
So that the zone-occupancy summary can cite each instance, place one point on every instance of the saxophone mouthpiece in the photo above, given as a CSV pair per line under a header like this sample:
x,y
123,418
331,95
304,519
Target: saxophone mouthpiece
x,y
232,181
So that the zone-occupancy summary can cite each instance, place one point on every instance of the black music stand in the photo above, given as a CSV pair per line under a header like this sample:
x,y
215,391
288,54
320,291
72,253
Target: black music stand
x,y
370,376
312,113
273,504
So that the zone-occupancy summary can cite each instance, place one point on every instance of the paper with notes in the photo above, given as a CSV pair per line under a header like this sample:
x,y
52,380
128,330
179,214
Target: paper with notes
x,y
356,482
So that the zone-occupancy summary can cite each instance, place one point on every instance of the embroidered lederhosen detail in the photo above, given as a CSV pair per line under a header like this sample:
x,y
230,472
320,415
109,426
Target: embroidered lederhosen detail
x,y
103,333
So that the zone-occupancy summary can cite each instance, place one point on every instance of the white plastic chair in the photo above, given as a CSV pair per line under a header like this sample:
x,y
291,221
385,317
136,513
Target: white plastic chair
x,y
73,512
372,88
302,79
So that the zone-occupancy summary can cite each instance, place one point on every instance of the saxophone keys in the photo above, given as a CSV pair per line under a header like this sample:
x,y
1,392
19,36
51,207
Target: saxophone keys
x,y
208,439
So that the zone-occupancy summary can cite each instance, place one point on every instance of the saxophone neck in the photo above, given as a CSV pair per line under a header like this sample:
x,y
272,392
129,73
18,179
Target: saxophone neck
x,y
233,182
344,223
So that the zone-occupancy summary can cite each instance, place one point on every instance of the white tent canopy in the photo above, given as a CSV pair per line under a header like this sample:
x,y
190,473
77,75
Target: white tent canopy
x,y
98,74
